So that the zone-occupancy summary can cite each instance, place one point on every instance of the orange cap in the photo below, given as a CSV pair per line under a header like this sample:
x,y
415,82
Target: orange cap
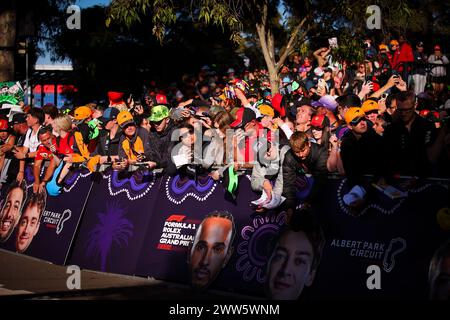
x,y
353,113
369,105
124,118
82,113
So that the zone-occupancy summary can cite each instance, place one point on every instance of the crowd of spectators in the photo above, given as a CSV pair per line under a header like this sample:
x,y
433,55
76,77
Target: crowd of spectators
x,y
386,116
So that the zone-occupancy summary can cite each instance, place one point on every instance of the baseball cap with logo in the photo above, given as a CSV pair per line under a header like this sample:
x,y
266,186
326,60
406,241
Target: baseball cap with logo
x,y
109,114
326,101
158,113
243,116
353,113
161,99
125,118
369,105
319,121
19,118
82,113
349,100
266,110
437,47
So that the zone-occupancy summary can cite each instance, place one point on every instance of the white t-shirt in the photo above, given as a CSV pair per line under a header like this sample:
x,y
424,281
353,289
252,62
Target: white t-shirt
x,y
438,71
32,140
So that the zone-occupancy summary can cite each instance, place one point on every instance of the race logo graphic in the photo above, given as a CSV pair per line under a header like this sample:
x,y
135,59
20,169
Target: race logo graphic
x,y
56,220
178,189
112,228
178,233
396,246
135,187
380,253
253,250
70,181
387,205
72,178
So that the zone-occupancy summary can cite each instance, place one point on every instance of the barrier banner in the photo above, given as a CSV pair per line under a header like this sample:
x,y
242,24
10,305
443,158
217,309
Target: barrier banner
x,y
39,225
398,236
173,252
118,212
195,232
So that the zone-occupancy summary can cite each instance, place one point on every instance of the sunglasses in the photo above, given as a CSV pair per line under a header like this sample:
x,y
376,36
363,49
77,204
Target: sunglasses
x,y
356,121
157,123
371,112
129,125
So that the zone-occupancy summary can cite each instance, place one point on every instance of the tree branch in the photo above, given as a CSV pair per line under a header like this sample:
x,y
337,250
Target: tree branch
x,y
289,47
263,39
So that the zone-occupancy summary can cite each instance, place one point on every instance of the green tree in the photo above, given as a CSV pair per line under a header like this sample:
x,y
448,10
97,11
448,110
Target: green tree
x,y
277,39
26,19
121,59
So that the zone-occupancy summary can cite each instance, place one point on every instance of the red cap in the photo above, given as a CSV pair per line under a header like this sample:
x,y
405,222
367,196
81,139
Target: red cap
x,y
243,116
424,112
115,97
3,125
161,99
437,47
318,121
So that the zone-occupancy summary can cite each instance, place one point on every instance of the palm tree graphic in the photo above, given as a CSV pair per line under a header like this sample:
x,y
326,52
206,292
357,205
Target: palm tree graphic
x,y
111,228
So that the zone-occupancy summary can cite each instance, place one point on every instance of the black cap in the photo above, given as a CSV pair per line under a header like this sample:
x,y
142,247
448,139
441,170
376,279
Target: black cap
x,y
243,116
19,118
109,114
252,92
349,100
300,101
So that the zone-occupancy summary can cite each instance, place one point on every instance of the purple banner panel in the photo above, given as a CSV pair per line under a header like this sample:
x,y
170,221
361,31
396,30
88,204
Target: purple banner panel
x,y
182,206
397,236
43,226
114,227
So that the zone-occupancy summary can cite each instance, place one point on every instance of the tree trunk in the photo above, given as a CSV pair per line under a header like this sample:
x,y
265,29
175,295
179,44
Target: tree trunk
x,y
7,42
267,47
274,81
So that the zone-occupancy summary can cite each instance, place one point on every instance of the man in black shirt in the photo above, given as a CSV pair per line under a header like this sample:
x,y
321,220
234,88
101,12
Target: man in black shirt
x,y
361,153
419,74
107,149
303,158
20,128
411,140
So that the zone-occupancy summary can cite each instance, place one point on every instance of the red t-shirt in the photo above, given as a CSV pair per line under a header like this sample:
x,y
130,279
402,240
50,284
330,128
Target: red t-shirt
x,y
66,145
44,153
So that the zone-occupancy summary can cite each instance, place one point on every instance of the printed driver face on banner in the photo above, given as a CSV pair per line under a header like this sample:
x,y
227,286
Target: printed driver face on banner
x,y
290,266
439,274
10,213
211,250
29,222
